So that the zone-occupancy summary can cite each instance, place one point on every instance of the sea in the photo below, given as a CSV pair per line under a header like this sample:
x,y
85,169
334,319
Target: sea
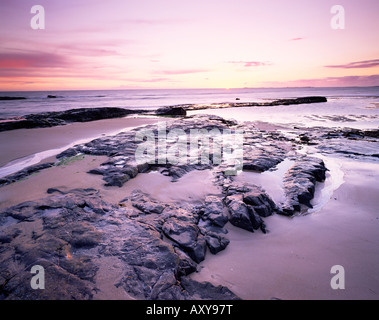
x,y
356,107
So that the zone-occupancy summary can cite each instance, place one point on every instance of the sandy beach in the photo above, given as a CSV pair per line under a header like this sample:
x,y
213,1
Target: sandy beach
x,y
291,261
25,142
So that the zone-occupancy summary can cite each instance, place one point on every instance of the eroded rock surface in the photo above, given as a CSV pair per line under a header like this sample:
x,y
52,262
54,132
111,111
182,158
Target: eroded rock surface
x,y
156,245
68,232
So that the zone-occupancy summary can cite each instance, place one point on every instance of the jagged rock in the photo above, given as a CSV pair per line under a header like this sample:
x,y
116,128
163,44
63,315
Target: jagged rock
x,y
156,244
213,211
299,183
187,235
247,205
239,212
69,231
215,242
260,201
262,158
186,265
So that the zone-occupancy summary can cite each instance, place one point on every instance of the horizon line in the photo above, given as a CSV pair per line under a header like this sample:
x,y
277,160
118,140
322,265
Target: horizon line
x,y
237,88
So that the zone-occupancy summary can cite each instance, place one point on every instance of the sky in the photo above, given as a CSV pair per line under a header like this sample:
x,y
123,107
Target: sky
x,y
128,44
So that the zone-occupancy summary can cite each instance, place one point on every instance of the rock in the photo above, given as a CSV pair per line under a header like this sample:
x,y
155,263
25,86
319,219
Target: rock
x,y
302,100
263,158
116,178
155,245
260,201
187,235
371,133
256,220
213,211
67,153
247,205
59,285
171,111
12,98
70,232
186,265
25,173
299,183
50,96
206,290
143,203
239,212
50,119
215,242
82,235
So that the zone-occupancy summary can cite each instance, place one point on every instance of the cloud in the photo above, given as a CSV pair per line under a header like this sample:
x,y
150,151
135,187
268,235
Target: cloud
x,y
357,64
296,39
249,64
23,60
179,72
149,80
346,81
151,21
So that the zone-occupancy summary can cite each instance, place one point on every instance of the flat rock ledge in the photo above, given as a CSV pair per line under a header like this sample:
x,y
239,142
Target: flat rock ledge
x,y
59,118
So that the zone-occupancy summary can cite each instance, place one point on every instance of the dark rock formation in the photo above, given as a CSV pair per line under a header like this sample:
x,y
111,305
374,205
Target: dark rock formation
x,y
260,202
12,98
299,100
239,213
299,183
187,236
278,102
70,233
156,245
24,173
171,111
51,119
247,206
213,211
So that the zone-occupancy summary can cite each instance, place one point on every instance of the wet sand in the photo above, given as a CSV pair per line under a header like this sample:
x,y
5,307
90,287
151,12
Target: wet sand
x,y
293,260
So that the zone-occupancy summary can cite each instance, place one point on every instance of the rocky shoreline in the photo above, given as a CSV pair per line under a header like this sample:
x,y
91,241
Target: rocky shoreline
x,y
156,245
69,231
58,118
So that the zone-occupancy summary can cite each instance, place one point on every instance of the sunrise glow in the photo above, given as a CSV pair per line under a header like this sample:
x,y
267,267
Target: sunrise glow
x,y
187,44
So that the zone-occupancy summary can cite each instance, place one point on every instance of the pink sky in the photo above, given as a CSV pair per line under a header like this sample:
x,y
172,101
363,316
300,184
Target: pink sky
x,y
117,44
